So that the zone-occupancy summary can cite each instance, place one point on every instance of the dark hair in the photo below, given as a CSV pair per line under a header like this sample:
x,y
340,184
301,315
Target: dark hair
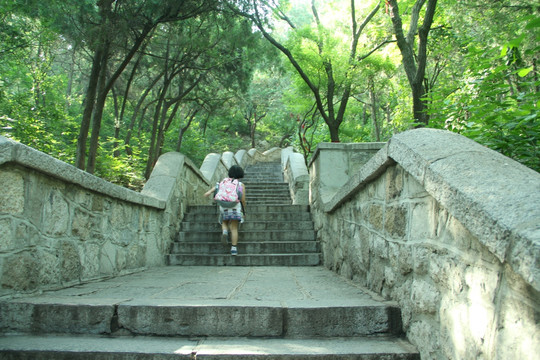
x,y
236,172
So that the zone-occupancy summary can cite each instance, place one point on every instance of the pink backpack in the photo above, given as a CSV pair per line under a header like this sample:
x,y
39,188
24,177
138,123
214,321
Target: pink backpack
x,y
229,192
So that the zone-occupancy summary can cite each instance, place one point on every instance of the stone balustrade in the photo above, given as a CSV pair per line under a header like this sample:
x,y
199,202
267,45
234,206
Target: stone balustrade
x,y
60,226
447,228
295,173
216,166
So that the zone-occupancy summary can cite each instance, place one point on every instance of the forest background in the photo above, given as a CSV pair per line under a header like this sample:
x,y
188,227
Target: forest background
x,y
109,85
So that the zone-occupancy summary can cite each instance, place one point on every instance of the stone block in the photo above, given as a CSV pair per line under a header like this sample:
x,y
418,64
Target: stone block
x,y
7,240
396,221
170,319
90,260
375,217
49,265
12,194
19,271
107,259
56,215
49,317
228,159
425,296
425,334
71,268
394,182
85,225
424,221
401,257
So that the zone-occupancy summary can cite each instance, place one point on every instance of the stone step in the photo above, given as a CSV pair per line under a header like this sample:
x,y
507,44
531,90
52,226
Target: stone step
x,y
252,208
269,201
268,247
219,317
211,216
265,180
211,301
263,184
265,196
250,225
287,259
28,347
288,313
265,192
277,235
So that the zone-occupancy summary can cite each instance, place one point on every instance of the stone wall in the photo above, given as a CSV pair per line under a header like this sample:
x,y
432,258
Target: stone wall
x,y
448,229
61,226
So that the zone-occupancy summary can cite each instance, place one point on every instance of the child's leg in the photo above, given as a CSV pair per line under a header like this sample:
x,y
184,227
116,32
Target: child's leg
x,y
225,225
233,224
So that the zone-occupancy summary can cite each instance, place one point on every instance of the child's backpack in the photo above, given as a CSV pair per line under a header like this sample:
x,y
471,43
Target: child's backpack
x,y
228,193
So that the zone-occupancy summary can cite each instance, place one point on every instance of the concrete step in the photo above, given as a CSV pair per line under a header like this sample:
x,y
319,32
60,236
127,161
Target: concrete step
x,y
233,302
28,347
211,216
267,247
252,192
260,236
269,201
288,259
186,312
250,225
251,209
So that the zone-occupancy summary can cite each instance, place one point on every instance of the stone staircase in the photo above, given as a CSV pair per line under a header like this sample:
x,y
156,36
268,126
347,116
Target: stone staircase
x,y
275,233
291,310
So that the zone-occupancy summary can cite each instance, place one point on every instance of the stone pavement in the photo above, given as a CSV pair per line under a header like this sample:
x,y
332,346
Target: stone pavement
x,y
210,285
267,291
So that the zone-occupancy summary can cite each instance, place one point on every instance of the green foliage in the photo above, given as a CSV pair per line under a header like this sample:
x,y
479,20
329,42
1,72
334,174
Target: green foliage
x,y
498,104
482,78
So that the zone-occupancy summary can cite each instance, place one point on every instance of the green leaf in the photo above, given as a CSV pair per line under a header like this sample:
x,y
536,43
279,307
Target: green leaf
x,y
533,23
524,72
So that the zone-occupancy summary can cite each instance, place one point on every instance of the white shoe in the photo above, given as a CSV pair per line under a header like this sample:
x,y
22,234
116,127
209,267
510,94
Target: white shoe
x,y
225,238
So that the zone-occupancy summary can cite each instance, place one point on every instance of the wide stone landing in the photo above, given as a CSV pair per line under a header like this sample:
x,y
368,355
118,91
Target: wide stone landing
x,y
206,313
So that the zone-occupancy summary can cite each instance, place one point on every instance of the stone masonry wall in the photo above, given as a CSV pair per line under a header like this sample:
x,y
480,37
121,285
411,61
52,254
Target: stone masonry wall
x,y
398,228
60,226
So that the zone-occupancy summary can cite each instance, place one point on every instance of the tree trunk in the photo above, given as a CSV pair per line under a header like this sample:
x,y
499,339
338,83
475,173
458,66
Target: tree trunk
x,y
117,122
415,71
373,98
184,129
89,102
153,137
98,113
334,133
136,113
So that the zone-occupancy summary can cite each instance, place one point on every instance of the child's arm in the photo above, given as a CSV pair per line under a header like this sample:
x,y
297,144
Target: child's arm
x,y
206,194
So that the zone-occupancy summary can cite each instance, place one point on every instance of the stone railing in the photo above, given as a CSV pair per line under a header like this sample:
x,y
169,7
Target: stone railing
x,y
448,229
61,226
215,166
296,174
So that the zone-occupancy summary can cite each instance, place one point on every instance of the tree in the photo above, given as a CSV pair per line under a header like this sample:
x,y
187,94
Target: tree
x,y
138,18
490,93
414,62
321,66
